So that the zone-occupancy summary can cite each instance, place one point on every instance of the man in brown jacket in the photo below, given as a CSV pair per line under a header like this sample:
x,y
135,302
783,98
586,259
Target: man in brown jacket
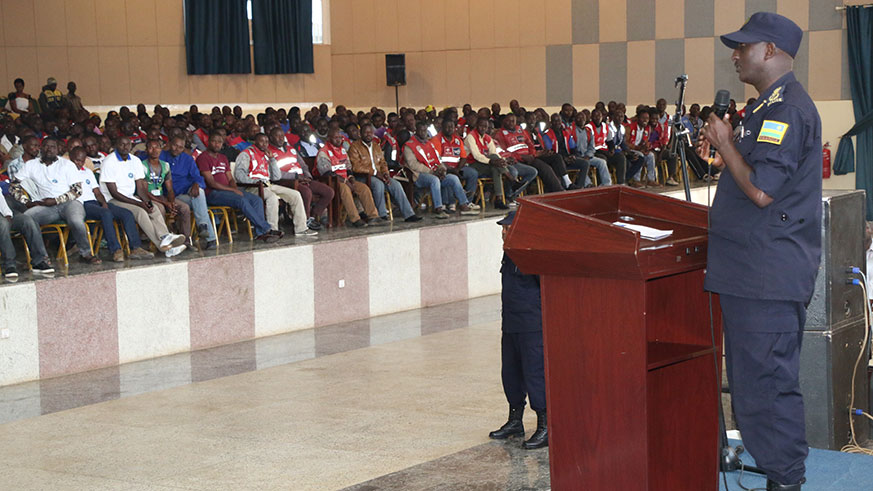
x,y
368,164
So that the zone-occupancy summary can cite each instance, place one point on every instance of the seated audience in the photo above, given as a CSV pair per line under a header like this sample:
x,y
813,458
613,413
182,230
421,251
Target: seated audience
x,y
221,189
519,148
52,186
13,221
453,155
295,169
333,160
189,187
428,172
594,146
640,150
97,208
123,180
484,155
256,165
368,164
562,142
159,183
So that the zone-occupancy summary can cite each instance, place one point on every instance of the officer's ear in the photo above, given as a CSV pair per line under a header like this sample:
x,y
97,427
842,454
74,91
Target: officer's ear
x,y
770,51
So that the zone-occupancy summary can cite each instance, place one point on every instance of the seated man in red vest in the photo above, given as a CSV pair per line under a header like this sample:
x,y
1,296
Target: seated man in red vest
x,y
520,148
254,165
453,155
562,141
484,155
334,160
428,172
294,168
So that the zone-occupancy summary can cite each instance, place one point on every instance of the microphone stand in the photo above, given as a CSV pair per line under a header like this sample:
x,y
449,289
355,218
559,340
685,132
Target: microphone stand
x,y
729,457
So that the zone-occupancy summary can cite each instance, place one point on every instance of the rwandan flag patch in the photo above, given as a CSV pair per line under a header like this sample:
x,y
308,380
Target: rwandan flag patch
x,y
772,132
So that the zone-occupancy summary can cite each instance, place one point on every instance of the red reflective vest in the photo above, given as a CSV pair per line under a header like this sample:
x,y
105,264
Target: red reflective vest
x,y
424,152
339,159
598,134
452,149
287,159
259,165
482,144
553,138
637,135
515,142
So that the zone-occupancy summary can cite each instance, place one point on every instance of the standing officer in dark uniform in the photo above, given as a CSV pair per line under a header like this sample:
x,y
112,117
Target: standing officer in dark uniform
x,y
765,245
521,346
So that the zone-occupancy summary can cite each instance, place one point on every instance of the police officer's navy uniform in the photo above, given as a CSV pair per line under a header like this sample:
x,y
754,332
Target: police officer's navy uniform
x,y
763,263
523,371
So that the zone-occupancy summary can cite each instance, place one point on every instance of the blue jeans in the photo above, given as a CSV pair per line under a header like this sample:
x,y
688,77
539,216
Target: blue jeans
x,y
450,186
395,189
602,171
72,213
470,177
250,204
527,174
201,212
107,217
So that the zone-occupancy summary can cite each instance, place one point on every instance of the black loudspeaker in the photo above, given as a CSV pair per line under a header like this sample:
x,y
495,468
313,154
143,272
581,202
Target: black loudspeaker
x,y
834,331
395,69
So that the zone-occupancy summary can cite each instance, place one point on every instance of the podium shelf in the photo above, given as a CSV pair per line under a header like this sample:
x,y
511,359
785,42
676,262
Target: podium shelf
x,y
660,354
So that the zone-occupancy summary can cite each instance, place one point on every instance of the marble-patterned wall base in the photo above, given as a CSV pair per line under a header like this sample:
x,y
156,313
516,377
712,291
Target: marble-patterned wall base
x,y
69,325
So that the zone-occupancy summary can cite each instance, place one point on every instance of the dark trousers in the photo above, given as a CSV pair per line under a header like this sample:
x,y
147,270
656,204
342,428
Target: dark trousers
x,y
695,163
578,163
523,372
616,162
551,182
93,211
762,351
320,192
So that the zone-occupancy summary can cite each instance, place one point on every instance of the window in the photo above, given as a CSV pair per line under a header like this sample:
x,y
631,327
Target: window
x,y
317,21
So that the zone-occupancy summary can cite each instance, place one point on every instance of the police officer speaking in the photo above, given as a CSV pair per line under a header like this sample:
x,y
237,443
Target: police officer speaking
x,y
764,243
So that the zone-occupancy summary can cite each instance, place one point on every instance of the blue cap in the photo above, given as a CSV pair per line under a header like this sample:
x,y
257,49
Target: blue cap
x,y
507,220
767,27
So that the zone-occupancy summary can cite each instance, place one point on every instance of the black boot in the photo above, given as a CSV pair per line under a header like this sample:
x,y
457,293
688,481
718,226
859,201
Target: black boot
x,y
512,427
775,486
540,438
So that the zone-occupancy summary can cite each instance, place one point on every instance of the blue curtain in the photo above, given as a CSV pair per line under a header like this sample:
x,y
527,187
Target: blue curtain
x,y
860,26
282,35
217,37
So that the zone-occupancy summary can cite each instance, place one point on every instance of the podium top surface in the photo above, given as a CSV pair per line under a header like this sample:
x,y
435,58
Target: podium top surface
x,y
572,234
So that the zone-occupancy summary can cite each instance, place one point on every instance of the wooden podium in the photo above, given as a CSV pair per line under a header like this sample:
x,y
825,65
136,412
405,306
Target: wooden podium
x,y
631,377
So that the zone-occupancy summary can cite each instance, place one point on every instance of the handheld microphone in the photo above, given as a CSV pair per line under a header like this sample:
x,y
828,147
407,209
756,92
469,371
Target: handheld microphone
x,y
719,107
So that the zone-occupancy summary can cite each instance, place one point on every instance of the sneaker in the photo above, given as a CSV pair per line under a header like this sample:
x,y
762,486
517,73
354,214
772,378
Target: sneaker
x,y
386,218
467,210
267,238
10,273
306,233
474,206
635,184
671,182
174,251
277,233
313,224
211,244
43,268
440,214
652,184
359,224
412,219
450,208
171,240
90,259
512,204
140,253
118,256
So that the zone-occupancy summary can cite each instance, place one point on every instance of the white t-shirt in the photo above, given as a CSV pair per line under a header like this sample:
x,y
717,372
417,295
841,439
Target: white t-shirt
x,y
48,181
4,207
123,173
89,182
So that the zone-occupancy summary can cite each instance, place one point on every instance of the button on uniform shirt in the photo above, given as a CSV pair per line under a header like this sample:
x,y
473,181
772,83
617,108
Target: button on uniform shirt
x,y
772,252
47,181
124,173
89,182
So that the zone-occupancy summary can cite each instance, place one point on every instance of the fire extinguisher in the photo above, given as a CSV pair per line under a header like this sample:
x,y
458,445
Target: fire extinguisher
x,y
826,160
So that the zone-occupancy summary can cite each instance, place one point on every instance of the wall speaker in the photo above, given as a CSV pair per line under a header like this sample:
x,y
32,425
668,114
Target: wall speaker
x,y
395,69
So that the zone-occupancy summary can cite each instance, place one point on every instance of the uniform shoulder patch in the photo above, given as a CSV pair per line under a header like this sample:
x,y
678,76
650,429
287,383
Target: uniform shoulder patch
x,y
772,132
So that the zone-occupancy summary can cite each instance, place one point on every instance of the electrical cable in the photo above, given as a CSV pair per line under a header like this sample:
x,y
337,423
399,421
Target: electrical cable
x,y
853,447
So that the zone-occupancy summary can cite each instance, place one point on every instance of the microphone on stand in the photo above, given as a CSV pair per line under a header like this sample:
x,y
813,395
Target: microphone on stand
x,y
719,107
